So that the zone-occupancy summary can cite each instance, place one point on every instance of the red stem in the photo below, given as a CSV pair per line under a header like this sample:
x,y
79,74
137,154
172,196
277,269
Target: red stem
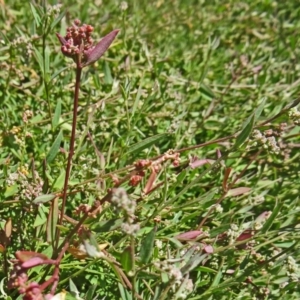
x,y
72,146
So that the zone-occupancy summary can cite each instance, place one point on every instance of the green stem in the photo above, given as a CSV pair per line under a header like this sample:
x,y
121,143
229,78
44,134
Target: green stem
x,y
133,278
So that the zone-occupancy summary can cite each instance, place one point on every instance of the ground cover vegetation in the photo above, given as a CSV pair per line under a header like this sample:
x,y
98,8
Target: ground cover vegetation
x,y
159,163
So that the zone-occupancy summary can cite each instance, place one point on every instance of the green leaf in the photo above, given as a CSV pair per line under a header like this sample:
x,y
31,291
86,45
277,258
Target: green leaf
x,y
57,20
205,269
219,230
59,182
206,92
43,198
127,261
39,59
193,263
249,124
136,101
54,148
146,143
217,279
108,225
259,109
107,73
147,246
41,217
36,16
47,60
57,114
125,295
58,72
256,113
11,190
52,221
270,220
90,293
242,137
73,288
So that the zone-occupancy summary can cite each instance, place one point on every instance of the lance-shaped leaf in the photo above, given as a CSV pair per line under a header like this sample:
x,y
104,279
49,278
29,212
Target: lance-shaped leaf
x,y
95,53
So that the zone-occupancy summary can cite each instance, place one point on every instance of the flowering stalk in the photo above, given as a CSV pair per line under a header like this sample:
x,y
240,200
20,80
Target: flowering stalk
x,y
79,45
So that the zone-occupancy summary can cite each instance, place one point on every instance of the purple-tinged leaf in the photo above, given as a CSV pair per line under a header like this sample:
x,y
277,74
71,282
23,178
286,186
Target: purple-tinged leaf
x,y
95,53
200,162
208,249
263,217
32,262
238,191
219,154
246,235
190,235
23,256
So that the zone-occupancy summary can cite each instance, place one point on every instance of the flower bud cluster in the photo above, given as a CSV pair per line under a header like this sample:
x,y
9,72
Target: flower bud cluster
x,y
28,188
78,39
267,140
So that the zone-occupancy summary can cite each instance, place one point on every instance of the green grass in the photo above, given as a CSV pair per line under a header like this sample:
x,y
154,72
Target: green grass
x,y
179,74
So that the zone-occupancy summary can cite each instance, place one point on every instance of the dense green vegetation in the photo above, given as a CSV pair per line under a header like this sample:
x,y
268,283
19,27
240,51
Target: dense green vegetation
x,y
216,82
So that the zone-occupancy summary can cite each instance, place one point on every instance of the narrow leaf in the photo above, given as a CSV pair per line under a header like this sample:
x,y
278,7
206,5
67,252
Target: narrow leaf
x,y
147,143
256,113
39,59
147,246
52,221
108,225
189,235
57,20
107,73
242,137
59,182
57,114
43,198
8,228
270,220
126,259
238,191
41,217
54,148
193,263
91,291
47,60
36,16
259,109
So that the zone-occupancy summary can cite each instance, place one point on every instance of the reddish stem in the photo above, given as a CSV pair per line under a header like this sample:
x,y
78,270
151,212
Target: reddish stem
x,y
72,146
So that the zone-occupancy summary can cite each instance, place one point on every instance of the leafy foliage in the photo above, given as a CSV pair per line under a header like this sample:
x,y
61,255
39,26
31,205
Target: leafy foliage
x,y
214,82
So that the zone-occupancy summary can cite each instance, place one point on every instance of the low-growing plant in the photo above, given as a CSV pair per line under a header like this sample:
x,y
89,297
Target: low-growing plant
x,y
139,219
